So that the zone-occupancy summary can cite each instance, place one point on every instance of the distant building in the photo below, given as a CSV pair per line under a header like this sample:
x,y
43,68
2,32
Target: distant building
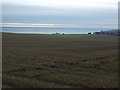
x,y
97,33
57,33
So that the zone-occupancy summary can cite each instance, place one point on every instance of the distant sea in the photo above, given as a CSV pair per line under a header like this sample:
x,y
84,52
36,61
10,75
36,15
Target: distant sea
x,y
45,30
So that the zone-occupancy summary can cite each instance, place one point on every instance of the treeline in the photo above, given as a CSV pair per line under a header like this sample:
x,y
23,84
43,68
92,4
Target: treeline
x,y
110,32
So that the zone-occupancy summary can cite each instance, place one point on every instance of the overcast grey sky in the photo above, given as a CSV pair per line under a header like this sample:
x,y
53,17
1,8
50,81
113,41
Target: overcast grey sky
x,y
62,13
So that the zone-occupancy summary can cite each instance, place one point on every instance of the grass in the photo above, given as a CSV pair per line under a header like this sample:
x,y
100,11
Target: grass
x,y
60,61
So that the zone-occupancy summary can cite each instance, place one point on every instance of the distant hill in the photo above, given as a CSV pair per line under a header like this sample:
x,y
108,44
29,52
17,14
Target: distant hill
x,y
109,32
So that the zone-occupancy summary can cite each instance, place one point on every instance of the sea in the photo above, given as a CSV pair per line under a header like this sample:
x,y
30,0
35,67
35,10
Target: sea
x,y
46,30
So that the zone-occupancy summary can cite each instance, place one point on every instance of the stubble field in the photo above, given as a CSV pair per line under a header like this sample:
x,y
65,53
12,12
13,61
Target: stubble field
x,y
60,61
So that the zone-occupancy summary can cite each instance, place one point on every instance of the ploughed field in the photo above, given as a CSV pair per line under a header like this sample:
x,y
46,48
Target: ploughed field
x,y
59,61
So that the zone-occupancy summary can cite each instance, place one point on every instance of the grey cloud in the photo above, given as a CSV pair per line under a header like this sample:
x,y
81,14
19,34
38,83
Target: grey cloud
x,y
42,14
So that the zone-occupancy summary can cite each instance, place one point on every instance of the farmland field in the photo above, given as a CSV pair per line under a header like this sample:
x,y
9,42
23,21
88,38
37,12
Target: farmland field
x,y
60,61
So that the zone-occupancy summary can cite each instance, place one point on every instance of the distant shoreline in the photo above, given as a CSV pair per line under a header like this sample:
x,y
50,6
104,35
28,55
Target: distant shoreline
x,y
39,33
37,30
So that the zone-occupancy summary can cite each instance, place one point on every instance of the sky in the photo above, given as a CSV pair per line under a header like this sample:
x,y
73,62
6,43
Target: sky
x,y
60,13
